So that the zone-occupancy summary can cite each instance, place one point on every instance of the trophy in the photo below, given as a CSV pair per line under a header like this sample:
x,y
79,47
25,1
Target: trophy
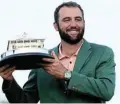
x,y
25,53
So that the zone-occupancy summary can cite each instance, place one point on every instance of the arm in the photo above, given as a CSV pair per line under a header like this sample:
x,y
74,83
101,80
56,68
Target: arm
x,y
103,85
15,94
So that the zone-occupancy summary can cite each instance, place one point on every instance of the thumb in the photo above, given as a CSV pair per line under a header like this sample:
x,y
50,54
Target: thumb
x,y
54,55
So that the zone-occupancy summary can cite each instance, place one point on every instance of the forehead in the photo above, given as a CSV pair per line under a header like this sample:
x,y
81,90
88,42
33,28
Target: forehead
x,y
69,12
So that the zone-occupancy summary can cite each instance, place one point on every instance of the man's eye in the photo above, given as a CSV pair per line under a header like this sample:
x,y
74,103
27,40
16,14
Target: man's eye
x,y
78,19
66,20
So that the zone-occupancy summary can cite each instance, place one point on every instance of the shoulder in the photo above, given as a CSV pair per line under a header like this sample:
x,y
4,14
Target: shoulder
x,y
102,51
101,48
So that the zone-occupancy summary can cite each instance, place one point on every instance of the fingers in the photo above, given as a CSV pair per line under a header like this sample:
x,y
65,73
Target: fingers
x,y
6,72
3,68
8,75
10,69
44,64
49,60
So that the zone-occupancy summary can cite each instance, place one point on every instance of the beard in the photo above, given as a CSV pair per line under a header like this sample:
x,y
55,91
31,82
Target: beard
x,y
68,39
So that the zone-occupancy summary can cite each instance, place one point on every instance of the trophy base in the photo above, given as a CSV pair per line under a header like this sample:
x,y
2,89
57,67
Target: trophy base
x,y
25,60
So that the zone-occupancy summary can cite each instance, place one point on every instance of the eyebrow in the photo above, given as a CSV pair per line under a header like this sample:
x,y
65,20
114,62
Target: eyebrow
x,y
79,17
66,18
75,17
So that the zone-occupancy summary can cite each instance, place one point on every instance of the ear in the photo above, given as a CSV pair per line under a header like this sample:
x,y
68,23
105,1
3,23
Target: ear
x,y
55,26
84,21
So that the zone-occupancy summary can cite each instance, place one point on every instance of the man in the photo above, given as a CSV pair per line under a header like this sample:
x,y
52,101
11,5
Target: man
x,y
81,72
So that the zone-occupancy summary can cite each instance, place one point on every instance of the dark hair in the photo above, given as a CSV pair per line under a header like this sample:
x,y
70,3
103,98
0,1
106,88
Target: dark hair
x,y
67,4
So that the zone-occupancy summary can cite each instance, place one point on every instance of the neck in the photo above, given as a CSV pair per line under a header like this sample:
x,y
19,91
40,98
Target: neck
x,y
69,49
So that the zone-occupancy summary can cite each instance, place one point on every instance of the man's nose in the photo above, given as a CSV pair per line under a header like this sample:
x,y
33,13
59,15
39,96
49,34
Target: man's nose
x,y
73,23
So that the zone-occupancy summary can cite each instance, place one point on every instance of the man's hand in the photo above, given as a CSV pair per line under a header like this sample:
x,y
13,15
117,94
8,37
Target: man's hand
x,y
54,66
6,72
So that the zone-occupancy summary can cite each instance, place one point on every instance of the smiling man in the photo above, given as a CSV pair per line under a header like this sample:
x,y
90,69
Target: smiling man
x,y
80,72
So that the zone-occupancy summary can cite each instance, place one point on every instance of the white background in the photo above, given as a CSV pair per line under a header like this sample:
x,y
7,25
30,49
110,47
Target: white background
x,y
35,17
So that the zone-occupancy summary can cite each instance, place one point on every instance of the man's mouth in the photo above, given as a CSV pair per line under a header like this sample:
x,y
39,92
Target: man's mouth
x,y
73,31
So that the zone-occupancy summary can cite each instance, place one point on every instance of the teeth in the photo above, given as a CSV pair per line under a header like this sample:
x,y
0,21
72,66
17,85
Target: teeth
x,y
74,30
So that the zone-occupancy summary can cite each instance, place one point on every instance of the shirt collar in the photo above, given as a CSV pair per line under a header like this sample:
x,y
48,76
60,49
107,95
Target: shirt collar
x,y
61,55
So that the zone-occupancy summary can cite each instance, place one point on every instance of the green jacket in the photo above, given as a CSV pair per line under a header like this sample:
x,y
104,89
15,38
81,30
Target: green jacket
x,y
92,81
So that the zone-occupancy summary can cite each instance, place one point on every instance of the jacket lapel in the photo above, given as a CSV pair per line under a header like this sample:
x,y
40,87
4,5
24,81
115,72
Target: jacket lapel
x,y
56,49
82,56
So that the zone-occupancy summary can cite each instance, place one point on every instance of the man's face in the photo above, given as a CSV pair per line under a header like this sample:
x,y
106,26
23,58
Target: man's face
x,y
70,24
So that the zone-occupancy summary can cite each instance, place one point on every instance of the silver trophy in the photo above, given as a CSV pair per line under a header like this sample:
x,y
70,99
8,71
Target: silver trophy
x,y
24,53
